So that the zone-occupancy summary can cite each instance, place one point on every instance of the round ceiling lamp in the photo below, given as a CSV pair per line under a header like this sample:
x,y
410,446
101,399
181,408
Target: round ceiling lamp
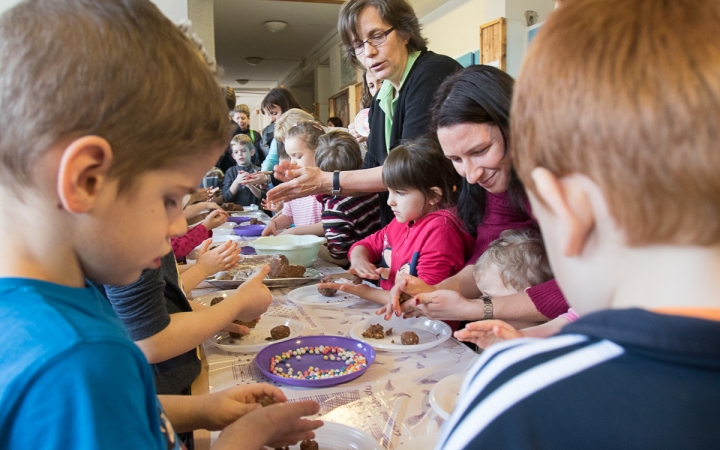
x,y
242,81
275,25
253,60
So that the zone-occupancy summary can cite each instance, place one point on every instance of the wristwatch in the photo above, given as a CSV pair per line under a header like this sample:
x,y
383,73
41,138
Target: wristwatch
x,y
336,189
487,307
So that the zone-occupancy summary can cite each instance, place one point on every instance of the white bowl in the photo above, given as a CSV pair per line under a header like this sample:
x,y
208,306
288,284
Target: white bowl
x,y
299,250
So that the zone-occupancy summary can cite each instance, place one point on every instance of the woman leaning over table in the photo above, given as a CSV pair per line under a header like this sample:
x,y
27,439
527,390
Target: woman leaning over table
x,y
470,113
382,37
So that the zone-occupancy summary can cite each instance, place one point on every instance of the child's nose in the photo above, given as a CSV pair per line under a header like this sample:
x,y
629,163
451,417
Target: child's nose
x,y
178,227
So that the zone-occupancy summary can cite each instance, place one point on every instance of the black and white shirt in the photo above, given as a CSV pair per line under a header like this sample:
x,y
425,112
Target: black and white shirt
x,y
619,379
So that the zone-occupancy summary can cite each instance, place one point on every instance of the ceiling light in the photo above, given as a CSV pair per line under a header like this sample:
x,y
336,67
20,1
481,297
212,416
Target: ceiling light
x,y
253,60
275,25
242,81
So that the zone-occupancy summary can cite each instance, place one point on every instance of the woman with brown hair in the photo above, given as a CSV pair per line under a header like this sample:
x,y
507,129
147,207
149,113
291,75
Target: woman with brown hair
x,y
384,38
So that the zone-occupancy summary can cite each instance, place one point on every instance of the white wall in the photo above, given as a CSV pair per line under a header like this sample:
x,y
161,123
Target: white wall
x,y
517,28
322,90
454,28
7,4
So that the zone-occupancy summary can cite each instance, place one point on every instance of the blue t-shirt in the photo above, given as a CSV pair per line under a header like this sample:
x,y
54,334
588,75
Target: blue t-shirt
x,y
69,375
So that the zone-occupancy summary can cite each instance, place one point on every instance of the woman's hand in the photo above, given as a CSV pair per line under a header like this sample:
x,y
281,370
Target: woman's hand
x,y
220,258
215,218
299,182
404,285
441,305
358,137
484,333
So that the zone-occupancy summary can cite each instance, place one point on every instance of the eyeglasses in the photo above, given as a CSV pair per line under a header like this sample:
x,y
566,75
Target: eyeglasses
x,y
375,40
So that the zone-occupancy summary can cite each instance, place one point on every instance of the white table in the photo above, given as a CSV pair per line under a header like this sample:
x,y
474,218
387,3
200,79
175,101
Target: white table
x,y
389,402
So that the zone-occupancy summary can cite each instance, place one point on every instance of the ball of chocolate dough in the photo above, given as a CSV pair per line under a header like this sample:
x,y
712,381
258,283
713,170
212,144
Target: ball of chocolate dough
x,y
409,338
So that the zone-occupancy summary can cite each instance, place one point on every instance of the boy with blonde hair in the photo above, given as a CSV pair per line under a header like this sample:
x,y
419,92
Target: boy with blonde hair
x,y
615,131
91,190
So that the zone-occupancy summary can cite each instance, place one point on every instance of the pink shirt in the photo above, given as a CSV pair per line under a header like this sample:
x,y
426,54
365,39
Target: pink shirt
x,y
303,211
433,248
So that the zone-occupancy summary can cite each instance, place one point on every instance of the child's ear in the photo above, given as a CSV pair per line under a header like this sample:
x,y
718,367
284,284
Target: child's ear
x,y
437,194
83,169
252,151
567,199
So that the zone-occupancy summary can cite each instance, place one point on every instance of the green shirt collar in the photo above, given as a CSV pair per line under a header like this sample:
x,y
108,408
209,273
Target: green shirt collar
x,y
387,102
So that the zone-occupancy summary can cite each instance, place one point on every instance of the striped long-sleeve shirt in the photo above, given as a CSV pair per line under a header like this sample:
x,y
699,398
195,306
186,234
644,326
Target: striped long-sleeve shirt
x,y
618,379
347,220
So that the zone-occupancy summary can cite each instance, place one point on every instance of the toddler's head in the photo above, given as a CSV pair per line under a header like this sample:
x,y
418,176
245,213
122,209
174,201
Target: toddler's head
x,y
512,263
242,149
301,142
420,179
338,150
287,120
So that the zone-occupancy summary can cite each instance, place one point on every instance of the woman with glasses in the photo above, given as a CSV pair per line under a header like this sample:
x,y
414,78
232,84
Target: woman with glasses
x,y
382,37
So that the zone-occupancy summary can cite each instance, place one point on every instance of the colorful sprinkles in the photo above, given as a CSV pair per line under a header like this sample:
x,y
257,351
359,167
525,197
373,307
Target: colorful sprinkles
x,y
352,361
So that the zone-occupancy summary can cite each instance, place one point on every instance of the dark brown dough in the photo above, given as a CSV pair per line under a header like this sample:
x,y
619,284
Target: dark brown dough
x,y
266,400
279,332
308,444
374,332
409,338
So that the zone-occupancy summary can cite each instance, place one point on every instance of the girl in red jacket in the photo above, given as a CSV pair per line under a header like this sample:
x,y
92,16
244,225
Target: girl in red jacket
x,y
426,238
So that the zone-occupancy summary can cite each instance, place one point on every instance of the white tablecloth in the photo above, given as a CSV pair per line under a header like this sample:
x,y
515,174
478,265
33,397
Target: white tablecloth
x,y
389,401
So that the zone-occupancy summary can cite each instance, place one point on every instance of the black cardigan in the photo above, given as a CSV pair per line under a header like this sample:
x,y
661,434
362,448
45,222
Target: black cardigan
x,y
411,116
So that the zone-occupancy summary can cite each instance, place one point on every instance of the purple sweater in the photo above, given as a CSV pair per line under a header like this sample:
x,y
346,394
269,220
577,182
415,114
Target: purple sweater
x,y
500,216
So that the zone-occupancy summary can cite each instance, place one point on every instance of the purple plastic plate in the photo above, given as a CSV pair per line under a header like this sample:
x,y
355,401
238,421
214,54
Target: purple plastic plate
x,y
238,219
262,360
249,230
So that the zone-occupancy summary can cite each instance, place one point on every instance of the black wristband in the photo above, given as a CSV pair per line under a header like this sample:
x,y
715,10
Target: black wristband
x,y
336,190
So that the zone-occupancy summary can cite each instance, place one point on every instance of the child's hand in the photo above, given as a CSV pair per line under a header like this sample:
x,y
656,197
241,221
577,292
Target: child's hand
x,y
270,229
254,295
354,289
215,218
275,426
484,333
225,407
363,268
271,206
241,176
255,178
220,258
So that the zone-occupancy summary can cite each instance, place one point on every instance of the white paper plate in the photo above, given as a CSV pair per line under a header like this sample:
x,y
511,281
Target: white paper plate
x,y
309,296
362,122
444,395
430,332
336,436
256,340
